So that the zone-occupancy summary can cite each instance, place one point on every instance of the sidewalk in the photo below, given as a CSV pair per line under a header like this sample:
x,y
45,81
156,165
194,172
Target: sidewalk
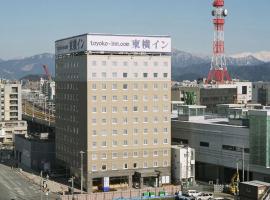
x,y
53,186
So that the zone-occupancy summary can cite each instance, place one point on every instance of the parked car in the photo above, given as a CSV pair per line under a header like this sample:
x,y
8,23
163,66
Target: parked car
x,y
192,193
204,196
182,198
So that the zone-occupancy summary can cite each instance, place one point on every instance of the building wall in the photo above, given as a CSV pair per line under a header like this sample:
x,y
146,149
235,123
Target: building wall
x,y
87,110
208,141
11,105
10,128
261,93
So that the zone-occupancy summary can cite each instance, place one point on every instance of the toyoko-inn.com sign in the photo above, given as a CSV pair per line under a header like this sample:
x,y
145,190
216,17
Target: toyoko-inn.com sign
x,y
113,43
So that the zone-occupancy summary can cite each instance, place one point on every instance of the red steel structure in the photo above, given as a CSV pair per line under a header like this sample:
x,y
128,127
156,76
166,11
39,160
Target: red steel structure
x,y
218,72
47,72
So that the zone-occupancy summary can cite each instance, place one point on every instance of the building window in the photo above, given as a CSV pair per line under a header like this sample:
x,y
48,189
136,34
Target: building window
x,y
114,143
135,86
103,121
94,98
125,120
135,75
135,165
145,164
165,141
204,144
125,86
94,156
104,86
103,156
103,74
145,98
165,97
145,142
145,131
104,98
94,121
114,132
125,109
125,132
155,153
145,86
114,63
125,75
125,143
155,63
155,75
94,86
114,120
155,164
103,144
114,86
114,155
94,110
145,153
94,168
103,132
94,144
114,167
114,109
135,120
135,142
114,98
135,154
104,110
165,163
114,74
104,63
165,130
145,75
145,64
125,166
94,75
165,64
125,154
94,63
104,167
135,98
145,120
125,97
125,63
165,153
145,109
155,141
135,109
94,132
135,131
155,97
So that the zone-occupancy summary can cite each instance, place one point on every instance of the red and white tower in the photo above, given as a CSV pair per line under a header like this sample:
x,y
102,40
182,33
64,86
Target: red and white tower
x,y
218,72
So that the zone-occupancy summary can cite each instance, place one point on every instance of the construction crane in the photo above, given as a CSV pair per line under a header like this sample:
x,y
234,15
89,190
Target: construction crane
x,y
47,72
233,188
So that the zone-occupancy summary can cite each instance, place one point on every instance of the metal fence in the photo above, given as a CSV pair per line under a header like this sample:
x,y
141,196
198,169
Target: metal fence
x,y
132,194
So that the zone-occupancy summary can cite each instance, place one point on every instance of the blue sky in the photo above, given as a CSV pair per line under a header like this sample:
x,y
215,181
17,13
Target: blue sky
x,y
30,27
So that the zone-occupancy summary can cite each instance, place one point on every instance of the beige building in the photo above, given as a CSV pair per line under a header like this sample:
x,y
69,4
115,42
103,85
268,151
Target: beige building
x,y
8,130
113,102
11,105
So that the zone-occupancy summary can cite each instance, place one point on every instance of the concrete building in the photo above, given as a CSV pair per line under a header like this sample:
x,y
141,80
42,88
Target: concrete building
x,y
254,190
8,130
211,95
183,164
47,87
11,105
113,103
221,143
36,153
261,93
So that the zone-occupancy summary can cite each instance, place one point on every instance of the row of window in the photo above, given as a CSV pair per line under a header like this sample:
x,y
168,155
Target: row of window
x,y
135,154
125,142
104,132
134,109
126,120
114,86
134,98
127,63
126,75
125,166
125,86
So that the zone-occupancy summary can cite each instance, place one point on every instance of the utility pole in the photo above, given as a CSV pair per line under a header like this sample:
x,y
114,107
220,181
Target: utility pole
x,y
72,186
41,182
243,164
81,152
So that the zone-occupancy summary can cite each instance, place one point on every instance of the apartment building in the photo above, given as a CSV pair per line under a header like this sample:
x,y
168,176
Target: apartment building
x,y
11,105
113,103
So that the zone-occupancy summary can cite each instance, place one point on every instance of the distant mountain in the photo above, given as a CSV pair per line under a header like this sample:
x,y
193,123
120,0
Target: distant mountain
x,y
185,66
17,68
262,55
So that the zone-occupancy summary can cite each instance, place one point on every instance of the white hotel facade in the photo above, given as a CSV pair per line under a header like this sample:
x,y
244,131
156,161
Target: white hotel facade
x,y
113,103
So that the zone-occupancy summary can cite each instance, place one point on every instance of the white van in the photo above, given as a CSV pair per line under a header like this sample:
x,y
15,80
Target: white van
x,y
193,193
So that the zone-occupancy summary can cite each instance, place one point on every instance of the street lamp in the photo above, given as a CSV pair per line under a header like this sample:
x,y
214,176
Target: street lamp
x,y
81,152
72,186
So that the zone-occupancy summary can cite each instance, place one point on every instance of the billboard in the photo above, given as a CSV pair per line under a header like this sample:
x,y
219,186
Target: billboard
x,y
114,43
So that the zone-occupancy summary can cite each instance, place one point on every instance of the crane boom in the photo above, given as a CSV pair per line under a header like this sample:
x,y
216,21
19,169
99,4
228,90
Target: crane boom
x,y
46,69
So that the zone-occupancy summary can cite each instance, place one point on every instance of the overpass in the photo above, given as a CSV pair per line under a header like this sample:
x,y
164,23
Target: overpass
x,y
39,119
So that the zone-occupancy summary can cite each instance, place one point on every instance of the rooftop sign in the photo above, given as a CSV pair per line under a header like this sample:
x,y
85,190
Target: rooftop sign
x,y
113,43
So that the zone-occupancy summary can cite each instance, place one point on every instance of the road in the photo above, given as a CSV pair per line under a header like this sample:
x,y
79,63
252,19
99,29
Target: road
x,y
14,186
